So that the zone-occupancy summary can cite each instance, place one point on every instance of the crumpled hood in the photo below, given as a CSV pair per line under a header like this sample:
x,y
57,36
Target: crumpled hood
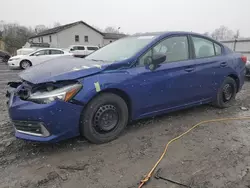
x,y
62,68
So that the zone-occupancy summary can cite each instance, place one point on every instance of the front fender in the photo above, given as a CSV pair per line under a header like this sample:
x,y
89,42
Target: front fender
x,y
94,84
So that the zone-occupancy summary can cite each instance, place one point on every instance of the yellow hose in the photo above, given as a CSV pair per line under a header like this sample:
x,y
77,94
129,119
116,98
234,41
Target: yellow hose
x,y
149,175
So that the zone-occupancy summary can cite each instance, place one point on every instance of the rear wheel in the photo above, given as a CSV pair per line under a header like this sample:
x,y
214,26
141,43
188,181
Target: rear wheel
x,y
25,64
226,93
104,118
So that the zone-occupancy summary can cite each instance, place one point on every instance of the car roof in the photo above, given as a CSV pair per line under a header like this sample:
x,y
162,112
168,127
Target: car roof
x,y
84,45
49,49
163,33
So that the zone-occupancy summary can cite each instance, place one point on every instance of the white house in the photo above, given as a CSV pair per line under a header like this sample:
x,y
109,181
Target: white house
x,y
241,45
72,34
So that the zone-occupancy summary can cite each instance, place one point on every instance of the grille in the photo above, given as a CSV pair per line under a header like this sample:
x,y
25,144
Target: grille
x,y
32,128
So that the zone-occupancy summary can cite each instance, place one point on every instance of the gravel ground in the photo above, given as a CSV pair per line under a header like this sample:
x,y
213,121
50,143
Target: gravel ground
x,y
213,155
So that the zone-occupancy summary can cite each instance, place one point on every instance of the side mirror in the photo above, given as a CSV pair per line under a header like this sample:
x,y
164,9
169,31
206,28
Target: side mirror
x,y
153,62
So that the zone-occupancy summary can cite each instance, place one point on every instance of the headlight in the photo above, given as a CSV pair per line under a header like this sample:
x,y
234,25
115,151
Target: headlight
x,y
11,59
64,94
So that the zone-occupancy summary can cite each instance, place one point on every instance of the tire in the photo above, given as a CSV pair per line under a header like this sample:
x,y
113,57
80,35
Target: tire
x,y
25,64
223,100
109,106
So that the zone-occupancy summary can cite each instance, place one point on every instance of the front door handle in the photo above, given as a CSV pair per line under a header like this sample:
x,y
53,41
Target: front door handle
x,y
189,69
224,64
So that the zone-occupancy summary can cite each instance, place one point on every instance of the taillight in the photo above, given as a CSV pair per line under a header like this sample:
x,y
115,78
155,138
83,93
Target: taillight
x,y
244,59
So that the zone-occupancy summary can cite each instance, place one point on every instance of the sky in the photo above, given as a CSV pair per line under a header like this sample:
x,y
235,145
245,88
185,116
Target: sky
x,y
133,15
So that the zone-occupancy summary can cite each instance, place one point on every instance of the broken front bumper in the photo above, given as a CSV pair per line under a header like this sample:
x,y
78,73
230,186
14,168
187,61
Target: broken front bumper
x,y
51,122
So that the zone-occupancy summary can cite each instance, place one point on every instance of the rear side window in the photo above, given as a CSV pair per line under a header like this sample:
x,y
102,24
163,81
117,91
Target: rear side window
x,y
203,47
92,48
218,49
53,52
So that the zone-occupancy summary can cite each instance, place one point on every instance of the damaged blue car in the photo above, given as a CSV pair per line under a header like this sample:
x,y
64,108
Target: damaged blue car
x,y
135,77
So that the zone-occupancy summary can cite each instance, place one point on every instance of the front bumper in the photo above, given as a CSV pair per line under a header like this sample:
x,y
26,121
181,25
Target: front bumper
x,y
59,120
14,64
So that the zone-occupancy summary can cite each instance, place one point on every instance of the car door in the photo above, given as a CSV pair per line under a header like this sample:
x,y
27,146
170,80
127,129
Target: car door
x,y
173,84
54,54
209,61
39,56
79,50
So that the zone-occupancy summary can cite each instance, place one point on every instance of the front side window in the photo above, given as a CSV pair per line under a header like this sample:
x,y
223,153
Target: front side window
x,y
175,49
121,49
80,48
77,39
41,52
203,47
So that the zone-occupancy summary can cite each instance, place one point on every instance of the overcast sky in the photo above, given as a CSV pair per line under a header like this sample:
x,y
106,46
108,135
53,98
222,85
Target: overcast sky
x,y
133,15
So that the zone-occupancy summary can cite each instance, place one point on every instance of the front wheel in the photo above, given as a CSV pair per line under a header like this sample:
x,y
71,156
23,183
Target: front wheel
x,y
226,93
25,64
104,118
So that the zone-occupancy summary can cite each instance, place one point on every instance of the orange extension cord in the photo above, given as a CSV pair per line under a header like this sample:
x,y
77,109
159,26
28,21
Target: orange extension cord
x,y
149,175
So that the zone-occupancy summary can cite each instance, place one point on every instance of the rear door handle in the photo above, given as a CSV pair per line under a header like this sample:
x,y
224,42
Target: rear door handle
x,y
224,64
189,69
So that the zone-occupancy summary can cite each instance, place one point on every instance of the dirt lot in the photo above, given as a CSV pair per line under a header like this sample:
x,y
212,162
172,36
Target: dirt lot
x,y
214,155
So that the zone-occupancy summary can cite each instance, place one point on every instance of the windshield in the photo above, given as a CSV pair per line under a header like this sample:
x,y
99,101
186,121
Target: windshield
x,y
121,49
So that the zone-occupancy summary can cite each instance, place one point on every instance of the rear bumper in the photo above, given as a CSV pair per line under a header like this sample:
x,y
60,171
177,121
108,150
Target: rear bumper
x,y
44,122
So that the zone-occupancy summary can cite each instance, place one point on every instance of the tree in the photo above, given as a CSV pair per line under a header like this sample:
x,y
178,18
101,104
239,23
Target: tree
x,y
206,34
15,36
222,33
111,29
40,28
57,24
237,34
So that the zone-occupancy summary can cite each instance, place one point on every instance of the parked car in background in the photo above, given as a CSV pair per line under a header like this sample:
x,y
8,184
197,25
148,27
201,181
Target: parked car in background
x,y
35,58
248,68
4,56
82,51
132,78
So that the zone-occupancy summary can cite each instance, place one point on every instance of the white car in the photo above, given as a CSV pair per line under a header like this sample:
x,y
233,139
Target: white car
x,y
35,58
81,50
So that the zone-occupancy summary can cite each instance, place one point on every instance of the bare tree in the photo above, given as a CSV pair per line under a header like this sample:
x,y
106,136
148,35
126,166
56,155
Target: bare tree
x,y
57,24
40,28
206,34
222,33
15,36
237,34
111,29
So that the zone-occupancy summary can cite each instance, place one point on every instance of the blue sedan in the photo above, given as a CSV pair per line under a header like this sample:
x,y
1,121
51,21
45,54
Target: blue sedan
x,y
135,77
